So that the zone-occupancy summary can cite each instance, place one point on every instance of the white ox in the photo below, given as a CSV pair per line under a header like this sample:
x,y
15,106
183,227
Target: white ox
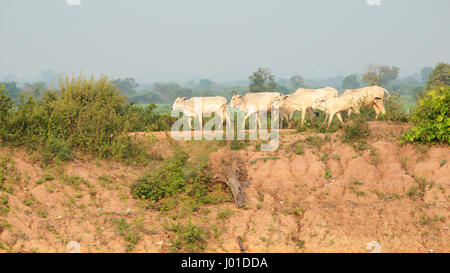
x,y
205,105
327,91
303,100
369,96
333,106
252,103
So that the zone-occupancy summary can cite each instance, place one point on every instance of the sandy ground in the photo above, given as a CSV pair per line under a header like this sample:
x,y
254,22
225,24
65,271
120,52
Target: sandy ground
x,y
331,198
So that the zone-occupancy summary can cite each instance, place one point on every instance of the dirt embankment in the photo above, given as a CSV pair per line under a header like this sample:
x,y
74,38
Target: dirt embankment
x,y
314,194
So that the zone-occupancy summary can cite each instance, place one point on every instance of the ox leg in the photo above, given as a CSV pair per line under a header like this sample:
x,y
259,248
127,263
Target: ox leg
x,y
340,117
245,119
312,114
288,121
376,109
379,108
327,116
223,118
281,119
303,117
331,119
190,123
285,116
259,121
377,112
355,109
291,118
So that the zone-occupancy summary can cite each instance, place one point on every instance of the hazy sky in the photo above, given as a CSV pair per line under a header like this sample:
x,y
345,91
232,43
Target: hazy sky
x,y
220,39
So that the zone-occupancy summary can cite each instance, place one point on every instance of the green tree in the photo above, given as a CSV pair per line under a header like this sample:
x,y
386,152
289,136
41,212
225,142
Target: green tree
x,y
126,86
372,76
388,74
50,78
380,75
205,84
153,97
351,82
12,89
439,77
6,104
296,82
262,81
37,87
32,87
168,92
184,92
425,73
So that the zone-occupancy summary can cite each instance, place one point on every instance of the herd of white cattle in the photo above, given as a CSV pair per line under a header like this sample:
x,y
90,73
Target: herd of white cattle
x,y
304,100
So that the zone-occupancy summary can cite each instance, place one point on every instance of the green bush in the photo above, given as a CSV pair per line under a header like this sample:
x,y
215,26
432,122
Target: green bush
x,y
431,118
394,109
189,180
141,119
299,150
8,174
356,131
4,206
128,232
366,113
125,149
88,114
236,145
189,238
5,104
198,186
439,77
165,181
84,114
4,225
56,148
201,188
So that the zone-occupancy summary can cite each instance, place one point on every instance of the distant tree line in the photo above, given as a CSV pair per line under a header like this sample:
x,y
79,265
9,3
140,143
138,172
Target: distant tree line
x,y
262,80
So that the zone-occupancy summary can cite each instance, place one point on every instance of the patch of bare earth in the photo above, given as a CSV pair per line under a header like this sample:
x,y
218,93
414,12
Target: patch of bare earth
x,y
325,198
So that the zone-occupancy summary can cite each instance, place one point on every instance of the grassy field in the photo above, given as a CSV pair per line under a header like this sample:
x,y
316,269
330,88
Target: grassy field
x,y
408,101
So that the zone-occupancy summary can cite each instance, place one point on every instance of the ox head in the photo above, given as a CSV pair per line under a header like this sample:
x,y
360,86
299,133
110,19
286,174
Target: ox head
x,y
236,100
179,103
319,104
280,101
